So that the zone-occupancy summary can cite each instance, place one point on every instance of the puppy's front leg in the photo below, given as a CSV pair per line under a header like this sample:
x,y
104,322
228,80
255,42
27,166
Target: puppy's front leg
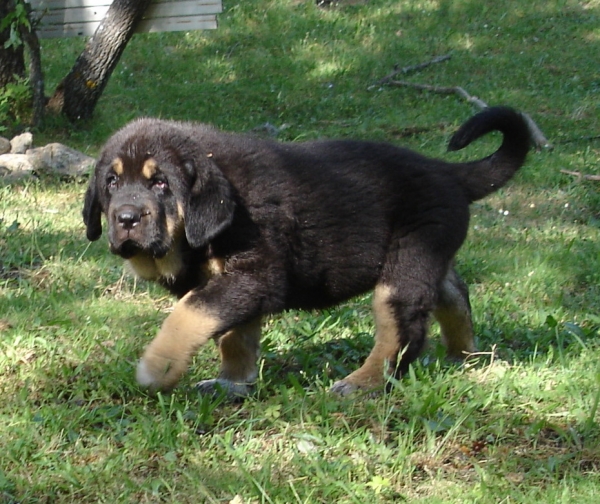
x,y
239,349
228,308
186,329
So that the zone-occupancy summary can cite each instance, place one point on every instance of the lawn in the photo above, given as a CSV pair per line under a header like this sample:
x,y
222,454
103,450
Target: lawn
x,y
519,423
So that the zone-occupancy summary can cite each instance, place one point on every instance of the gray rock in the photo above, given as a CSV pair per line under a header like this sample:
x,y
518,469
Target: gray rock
x,y
58,159
20,143
54,158
15,166
4,145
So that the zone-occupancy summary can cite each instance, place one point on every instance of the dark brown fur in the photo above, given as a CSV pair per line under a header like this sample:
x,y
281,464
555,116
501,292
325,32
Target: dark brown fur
x,y
238,227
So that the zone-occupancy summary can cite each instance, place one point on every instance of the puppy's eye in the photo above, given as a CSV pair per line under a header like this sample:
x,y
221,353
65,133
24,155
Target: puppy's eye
x,y
112,181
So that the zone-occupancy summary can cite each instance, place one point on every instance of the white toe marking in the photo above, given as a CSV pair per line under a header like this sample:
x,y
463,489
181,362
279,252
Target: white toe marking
x,y
143,376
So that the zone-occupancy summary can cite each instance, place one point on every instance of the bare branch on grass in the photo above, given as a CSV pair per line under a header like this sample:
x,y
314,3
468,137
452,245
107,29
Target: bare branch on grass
x,y
580,139
537,137
581,176
411,68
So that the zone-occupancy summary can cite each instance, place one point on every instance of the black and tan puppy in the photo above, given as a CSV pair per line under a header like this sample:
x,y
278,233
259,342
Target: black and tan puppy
x,y
239,227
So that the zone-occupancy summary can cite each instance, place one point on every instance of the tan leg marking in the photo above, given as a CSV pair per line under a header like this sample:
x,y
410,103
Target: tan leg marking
x,y
371,374
239,349
454,316
167,357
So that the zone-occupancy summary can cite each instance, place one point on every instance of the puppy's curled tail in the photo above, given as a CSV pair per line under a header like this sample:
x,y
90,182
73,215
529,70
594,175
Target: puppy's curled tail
x,y
483,177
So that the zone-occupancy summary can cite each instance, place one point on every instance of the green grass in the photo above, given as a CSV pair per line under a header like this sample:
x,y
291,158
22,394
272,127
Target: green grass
x,y
520,424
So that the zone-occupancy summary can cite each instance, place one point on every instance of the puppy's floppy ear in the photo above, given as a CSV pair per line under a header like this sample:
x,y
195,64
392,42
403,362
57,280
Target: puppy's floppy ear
x,y
92,211
210,205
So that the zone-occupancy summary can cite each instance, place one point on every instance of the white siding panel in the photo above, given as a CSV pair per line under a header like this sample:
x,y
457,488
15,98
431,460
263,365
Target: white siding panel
x,y
72,18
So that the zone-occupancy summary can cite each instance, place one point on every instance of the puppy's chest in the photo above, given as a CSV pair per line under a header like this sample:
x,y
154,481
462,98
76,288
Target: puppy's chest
x,y
177,272
169,267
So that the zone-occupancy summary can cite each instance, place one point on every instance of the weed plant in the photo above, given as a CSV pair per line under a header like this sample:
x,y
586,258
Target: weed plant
x,y
519,423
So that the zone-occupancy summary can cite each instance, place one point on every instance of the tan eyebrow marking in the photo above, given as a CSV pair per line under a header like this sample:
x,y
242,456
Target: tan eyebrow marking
x,y
117,166
150,168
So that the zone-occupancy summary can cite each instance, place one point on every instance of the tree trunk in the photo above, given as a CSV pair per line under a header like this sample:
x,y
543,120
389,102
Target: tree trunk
x,y
76,96
12,62
36,75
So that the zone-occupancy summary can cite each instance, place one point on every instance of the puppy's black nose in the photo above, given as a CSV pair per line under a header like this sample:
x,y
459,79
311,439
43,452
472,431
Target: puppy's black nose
x,y
128,216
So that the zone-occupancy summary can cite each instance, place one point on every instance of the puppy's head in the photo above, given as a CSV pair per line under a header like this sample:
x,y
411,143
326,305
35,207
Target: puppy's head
x,y
154,183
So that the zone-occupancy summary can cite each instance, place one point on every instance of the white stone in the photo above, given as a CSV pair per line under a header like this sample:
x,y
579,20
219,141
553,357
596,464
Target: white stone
x,y
4,145
20,143
15,166
58,159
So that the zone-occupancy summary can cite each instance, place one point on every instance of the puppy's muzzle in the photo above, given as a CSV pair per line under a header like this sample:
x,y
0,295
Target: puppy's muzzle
x,y
129,231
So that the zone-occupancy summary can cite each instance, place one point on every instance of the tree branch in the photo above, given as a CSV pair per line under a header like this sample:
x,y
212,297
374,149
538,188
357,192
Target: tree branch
x,y
537,137
580,175
411,68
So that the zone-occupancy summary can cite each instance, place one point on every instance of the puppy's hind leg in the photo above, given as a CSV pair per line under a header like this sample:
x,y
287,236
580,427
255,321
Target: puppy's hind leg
x,y
383,356
401,320
402,304
453,312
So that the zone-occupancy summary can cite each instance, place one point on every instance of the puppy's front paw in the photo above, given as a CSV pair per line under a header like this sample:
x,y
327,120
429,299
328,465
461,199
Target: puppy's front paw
x,y
151,378
233,391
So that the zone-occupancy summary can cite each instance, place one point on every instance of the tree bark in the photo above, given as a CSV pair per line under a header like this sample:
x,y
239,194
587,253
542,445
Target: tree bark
x,y
78,93
36,74
12,61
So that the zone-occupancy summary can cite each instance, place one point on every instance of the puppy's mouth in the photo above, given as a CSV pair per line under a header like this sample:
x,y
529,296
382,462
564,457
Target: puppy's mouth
x,y
129,248
126,249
